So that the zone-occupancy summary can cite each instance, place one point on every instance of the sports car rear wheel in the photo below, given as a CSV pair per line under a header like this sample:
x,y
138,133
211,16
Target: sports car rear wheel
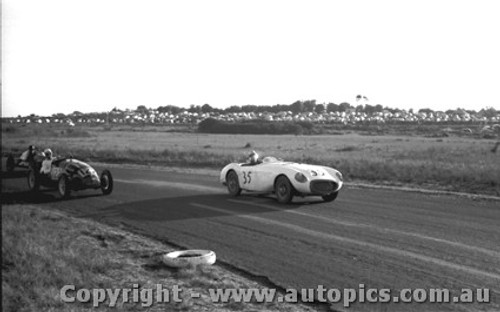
x,y
284,190
63,187
106,182
233,185
33,181
330,197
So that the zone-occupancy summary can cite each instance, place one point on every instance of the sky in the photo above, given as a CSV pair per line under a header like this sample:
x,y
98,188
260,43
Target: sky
x,y
60,56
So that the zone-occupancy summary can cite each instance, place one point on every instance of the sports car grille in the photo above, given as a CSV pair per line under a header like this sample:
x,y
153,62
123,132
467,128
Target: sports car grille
x,y
322,187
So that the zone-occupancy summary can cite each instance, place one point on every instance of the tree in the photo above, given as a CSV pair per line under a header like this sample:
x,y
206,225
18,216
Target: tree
x,y
320,108
141,109
206,108
233,109
488,112
309,105
344,106
297,107
332,107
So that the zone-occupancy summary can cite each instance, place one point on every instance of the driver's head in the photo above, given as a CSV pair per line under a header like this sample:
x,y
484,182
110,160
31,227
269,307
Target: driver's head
x,y
253,157
48,152
31,148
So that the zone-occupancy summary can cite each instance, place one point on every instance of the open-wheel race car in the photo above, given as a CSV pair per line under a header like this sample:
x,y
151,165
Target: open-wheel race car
x,y
285,179
68,174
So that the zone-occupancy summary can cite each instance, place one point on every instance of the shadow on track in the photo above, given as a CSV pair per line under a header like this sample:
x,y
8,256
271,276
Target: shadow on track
x,y
40,197
191,207
14,174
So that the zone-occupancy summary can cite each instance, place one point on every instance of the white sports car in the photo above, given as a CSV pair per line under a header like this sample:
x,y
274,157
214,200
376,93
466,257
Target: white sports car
x,y
285,179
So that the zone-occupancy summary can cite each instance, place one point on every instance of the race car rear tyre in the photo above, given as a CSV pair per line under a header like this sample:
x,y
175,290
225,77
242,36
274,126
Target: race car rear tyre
x,y
63,187
330,197
33,181
11,164
284,190
233,185
106,182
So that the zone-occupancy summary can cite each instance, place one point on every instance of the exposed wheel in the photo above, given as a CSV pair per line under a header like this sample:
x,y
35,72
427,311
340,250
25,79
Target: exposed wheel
x,y
192,257
233,185
284,190
11,164
63,187
330,197
33,181
106,182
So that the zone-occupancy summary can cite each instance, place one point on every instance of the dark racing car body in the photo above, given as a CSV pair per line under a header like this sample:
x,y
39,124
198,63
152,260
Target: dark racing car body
x,y
69,174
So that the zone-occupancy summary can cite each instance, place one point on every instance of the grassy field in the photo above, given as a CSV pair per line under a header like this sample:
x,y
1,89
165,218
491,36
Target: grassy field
x,y
454,163
44,250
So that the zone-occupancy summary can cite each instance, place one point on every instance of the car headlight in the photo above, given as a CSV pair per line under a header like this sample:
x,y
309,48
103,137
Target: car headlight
x,y
339,176
300,177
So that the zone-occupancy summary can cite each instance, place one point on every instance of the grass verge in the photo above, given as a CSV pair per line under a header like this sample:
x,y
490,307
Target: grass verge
x,y
43,250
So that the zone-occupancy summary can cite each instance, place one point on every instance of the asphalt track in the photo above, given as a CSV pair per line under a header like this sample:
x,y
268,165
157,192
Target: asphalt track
x,y
378,238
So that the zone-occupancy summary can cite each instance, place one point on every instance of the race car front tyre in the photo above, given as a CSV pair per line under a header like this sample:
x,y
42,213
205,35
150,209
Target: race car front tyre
x,y
106,182
233,185
283,189
11,164
33,181
330,197
63,187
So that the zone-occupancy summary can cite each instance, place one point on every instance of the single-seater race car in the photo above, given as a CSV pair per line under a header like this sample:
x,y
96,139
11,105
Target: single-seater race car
x,y
285,179
68,174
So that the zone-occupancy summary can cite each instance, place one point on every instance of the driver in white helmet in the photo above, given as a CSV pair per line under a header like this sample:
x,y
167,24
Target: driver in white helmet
x,y
47,162
253,158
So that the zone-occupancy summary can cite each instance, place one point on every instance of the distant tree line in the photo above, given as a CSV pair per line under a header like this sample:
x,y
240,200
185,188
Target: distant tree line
x,y
308,106
296,107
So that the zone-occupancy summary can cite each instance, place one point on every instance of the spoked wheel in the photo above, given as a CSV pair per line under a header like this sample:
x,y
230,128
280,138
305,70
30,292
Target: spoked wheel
x,y
330,197
233,185
106,182
33,181
284,190
63,187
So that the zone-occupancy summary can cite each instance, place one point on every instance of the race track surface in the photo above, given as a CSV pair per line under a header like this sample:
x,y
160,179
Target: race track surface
x,y
378,238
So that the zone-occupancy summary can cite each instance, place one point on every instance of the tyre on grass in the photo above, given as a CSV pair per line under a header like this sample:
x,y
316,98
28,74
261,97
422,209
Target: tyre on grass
x,y
185,258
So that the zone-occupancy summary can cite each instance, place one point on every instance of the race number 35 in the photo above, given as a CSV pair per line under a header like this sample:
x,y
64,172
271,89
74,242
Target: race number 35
x,y
247,177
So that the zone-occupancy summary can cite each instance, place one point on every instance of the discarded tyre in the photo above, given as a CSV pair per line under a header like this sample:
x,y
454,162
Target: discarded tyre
x,y
193,257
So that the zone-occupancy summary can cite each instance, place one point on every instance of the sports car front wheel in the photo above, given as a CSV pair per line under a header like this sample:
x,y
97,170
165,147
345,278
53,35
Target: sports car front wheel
x,y
233,185
330,197
284,190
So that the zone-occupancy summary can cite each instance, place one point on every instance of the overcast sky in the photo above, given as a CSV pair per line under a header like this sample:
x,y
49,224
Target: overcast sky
x,y
94,55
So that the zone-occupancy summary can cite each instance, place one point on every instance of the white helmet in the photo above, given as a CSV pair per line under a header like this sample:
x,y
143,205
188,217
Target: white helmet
x,y
253,157
48,152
